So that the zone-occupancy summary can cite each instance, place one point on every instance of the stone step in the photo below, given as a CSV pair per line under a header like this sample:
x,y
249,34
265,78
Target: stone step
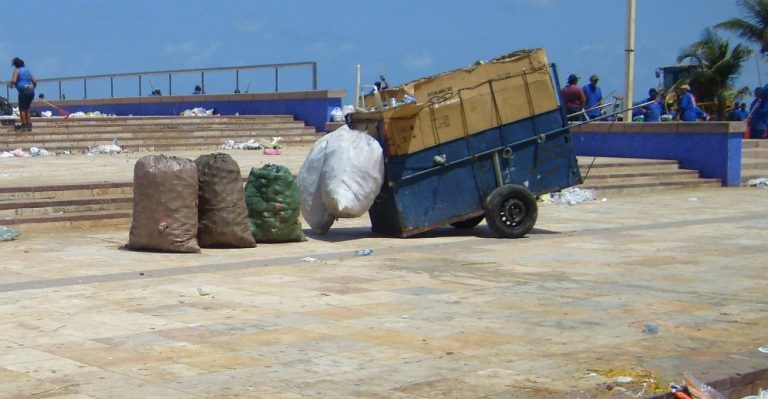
x,y
641,176
71,220
754,153
754,164
66,191
754,143
40,207
619,167
623,188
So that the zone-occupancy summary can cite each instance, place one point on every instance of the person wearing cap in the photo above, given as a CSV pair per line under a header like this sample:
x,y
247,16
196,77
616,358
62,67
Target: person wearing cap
x,y
573,99
652,112
686,106
594,97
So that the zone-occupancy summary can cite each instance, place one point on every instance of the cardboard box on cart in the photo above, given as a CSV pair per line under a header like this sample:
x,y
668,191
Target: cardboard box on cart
x,y
465,102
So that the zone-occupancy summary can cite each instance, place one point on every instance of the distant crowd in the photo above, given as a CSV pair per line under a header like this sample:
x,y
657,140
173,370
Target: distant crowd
x,y
585,103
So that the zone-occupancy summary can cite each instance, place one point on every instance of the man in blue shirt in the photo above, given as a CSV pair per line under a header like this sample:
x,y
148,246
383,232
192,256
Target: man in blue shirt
x,y
686,106
652,112
594,97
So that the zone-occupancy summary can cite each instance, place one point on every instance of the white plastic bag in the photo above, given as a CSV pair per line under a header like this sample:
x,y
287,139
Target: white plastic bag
x,y
340,178
337,115
311,195
352,173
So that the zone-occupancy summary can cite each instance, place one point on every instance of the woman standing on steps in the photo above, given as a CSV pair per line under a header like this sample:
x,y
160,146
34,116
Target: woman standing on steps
x,y
25,84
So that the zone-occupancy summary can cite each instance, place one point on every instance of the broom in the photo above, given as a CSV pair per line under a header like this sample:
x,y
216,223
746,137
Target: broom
x,y
61,111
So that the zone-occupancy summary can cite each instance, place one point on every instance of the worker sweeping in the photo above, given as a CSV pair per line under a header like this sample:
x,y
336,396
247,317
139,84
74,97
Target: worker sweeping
x,y
25,84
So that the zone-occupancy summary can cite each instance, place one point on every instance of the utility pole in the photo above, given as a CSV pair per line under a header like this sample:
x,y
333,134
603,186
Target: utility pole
x,y
630,59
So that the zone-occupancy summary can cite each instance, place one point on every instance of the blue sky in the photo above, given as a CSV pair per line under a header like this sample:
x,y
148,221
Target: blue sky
x,y
404,40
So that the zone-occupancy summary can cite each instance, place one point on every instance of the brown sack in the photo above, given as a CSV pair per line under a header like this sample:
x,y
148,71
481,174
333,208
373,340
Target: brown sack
x,y
164,204
223,217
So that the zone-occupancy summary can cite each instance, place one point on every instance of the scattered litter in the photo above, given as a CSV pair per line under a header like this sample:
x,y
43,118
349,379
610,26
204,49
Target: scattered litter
x,y
274,143
38,152
8,233
15,153
46,114
763,349
113,148
364,252
270,151
573,195
202,291
309,259
199,111
761,182
251,144
693,199
624,379
651,329
194,325
94,114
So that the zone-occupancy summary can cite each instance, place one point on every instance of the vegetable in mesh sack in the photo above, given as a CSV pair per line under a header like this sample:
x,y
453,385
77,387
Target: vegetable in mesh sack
x,y
164,205
272,198
222,215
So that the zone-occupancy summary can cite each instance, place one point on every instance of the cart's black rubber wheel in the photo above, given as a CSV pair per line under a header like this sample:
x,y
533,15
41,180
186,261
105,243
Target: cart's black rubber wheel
x,y
468,223
511,211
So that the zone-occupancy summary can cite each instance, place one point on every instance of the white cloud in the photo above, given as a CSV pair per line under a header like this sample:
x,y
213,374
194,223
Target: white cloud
x,y
417,62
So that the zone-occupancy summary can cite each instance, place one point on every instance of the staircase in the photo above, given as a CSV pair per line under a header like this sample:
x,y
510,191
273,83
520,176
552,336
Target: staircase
x,y
106,198
153,133
621,175
754,159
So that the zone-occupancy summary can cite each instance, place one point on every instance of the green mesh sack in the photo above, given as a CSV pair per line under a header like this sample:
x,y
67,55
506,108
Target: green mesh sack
x,y
272,198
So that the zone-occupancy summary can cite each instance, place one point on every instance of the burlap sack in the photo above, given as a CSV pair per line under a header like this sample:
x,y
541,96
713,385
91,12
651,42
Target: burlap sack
x,y
164,205
222,215
272,197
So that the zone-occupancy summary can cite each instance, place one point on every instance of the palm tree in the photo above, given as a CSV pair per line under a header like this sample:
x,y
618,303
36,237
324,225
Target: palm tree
x,y
754,28
719,65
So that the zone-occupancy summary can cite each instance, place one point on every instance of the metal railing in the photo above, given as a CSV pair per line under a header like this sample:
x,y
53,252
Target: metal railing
x,y
141,77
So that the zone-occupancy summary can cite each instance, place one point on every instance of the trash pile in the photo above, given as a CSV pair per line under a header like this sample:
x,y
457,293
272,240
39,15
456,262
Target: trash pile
x,y
113,148
761,182
81,114
340,178
251,144
199,111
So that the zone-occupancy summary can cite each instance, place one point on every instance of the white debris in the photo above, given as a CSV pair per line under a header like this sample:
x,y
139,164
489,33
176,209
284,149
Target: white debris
x,y
199,111
46,114
90,114
251,144
310,259
573,195
113,148
761,182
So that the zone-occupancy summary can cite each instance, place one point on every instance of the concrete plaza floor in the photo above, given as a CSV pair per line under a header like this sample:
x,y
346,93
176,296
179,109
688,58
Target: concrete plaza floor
x,y
560,313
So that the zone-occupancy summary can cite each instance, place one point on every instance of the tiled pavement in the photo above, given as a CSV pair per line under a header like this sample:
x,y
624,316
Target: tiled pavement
x,y
558,314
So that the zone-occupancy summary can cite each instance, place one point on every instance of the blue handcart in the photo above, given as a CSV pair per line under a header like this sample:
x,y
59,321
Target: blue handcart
x,y
434,178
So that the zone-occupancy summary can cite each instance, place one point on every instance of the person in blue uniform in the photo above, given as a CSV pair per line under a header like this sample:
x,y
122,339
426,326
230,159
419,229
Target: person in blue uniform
x,y
758,118
652,112
25,84
198,90
594,97
686,106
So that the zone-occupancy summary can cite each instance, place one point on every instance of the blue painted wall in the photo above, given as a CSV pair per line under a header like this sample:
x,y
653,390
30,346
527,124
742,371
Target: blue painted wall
x,y
713,148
